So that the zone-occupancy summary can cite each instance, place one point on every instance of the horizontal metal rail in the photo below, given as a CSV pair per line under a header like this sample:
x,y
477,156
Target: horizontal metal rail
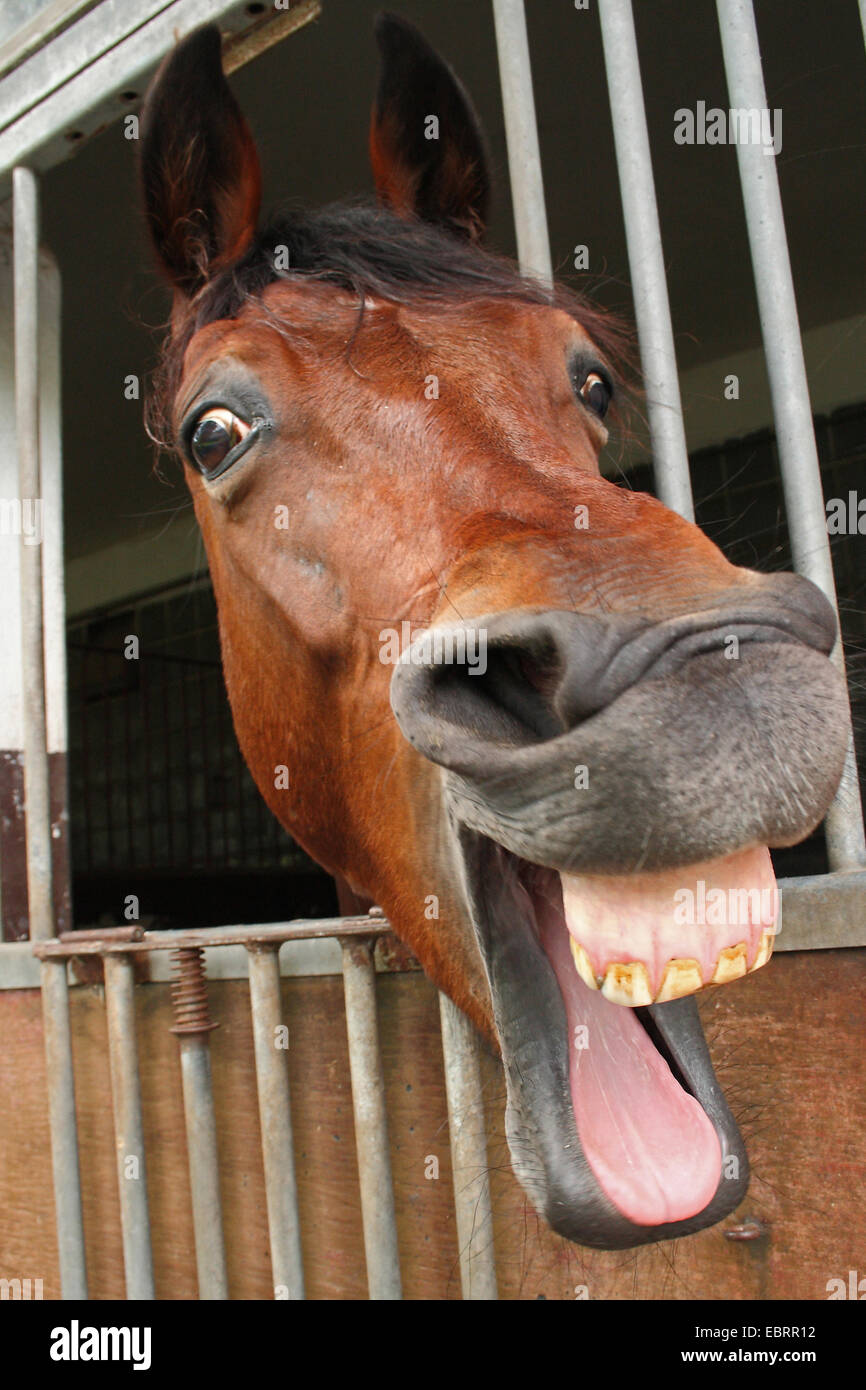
x,y
267,934
75,85
841,896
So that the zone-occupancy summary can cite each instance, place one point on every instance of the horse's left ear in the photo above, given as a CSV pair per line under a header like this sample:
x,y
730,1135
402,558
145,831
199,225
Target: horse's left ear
x,y
426,145
199,168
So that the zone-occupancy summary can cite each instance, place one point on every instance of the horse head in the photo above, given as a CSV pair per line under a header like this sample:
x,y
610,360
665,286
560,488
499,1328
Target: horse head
x,y
539,718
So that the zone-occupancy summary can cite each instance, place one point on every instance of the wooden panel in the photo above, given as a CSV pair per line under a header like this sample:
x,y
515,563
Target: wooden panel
x,y
788,1045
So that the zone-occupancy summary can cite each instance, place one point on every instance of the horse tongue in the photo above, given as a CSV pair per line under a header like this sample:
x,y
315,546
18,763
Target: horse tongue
x,y
646,938
636,940
652,1147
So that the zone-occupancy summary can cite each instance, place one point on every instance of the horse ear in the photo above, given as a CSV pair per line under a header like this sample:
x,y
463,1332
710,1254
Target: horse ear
x,y
426,144
200,173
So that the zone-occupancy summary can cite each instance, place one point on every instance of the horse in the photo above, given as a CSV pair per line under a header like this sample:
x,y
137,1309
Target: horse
x,y
536,716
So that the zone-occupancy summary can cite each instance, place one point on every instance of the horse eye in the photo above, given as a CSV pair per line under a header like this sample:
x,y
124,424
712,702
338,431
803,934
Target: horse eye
x,y
214,437
596,392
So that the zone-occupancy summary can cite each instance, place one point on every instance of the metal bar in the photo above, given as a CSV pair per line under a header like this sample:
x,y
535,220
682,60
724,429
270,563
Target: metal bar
x,y
863,18
210,1255
36,771
468,1153
371,1122
822,912
819,912
268,933
55,994
193,1026
275,1114
72,85
789,387
521,133
646,261
60,1081
128,1126
806,899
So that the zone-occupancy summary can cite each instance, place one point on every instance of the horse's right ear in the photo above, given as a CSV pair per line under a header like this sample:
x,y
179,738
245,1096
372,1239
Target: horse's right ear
x,y
426,145
200,173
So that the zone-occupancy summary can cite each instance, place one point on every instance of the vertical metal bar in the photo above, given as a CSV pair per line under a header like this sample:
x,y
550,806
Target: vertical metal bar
x,y
36,772
863,18
275,1114
789,387
55,993
371,1125
466,1125
646,261
192,1026
64,1129
128,1126
210,1255
521,132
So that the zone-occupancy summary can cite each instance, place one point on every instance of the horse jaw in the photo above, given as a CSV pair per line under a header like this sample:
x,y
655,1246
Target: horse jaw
x,y
618,1129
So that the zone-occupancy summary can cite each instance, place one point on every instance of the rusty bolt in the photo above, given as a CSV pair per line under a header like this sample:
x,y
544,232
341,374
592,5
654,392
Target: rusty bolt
x,y
189,991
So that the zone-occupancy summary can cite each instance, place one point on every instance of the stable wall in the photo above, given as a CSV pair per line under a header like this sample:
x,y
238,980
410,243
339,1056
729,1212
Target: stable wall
x,y
786,1042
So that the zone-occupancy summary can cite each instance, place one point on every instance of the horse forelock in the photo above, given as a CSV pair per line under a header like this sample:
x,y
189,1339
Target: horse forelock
x,y
369,251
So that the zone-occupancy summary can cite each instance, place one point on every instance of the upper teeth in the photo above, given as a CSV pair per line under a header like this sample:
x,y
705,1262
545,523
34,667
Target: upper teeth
x,y
628,982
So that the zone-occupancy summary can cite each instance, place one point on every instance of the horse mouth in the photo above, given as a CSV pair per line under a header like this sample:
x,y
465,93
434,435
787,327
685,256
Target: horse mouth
x,y
617,1126
607,882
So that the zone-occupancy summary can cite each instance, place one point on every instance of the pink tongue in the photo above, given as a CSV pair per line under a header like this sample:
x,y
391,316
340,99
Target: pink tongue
x,y
649,1143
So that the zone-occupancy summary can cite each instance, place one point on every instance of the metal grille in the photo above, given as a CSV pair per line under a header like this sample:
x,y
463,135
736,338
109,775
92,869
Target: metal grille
x,y
811,554
156,778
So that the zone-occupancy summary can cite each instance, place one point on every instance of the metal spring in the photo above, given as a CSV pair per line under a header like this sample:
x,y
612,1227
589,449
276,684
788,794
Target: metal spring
x,y
189,991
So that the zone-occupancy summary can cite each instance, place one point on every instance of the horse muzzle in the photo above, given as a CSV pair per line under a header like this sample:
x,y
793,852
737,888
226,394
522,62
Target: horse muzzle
x,y
612,785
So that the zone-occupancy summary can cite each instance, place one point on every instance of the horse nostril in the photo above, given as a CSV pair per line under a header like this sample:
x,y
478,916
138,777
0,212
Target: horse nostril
x,y
520,682
534,677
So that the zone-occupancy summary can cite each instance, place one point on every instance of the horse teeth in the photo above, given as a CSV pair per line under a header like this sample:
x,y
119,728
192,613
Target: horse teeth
x,y
582,963
732,964
627,984
765,950
682,976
